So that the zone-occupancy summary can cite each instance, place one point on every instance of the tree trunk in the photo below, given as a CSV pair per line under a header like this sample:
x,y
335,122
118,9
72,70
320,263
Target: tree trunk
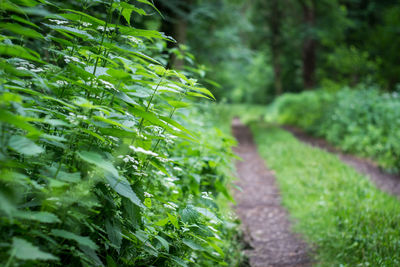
x,y
309,44
275,21
175,25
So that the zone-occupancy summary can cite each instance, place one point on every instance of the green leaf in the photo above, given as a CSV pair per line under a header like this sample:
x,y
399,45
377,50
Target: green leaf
x,y
114,234
189,214
24,146
74,31
85,15
81,240
21,30
178,104
173,220
122,187
163,242
23,250
191,244
177,260
40,216
18,51
162,222
97,159
22,20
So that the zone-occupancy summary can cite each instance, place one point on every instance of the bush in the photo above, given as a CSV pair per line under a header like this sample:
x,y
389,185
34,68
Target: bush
x,y
104,158
364,121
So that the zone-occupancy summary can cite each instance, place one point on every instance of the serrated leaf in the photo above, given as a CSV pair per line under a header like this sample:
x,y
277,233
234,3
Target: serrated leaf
x,y
21,30
193,245
24,250
189,214
18,51
163,242
179,261
122,187
173,220
24,146
97,159
114,234
81,240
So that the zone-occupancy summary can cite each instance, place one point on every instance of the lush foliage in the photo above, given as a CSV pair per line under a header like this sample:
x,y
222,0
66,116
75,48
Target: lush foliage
x,y
104,159
348,220
365,121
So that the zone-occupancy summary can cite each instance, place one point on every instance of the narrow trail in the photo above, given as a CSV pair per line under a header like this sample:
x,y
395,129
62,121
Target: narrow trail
x,y
265,221
389,183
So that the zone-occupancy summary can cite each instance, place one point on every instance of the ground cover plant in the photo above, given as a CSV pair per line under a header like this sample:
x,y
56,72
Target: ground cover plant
x,y
347,220
104,159
362,121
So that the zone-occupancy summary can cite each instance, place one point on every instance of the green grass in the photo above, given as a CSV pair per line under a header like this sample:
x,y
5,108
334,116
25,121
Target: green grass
x,y
340,212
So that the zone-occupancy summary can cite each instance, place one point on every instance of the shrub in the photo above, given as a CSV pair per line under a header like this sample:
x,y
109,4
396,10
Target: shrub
x,y
100,161
362,121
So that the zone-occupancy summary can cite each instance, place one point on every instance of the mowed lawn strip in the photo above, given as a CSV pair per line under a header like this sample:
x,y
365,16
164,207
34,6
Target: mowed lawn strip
x,y
339,211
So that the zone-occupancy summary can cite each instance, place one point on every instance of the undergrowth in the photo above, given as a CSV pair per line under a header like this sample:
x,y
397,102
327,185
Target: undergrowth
x,y
104,159
361,121
342,215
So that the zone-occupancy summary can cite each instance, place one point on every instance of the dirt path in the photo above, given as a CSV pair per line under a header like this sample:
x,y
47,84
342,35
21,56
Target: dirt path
x,y
265,221
387,182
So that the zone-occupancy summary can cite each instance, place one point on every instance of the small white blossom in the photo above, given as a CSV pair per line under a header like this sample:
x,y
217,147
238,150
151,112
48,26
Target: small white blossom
x,y
86,24
61,83
169,206
68,59
206,195
101,28
108,85
37,70
143,151
178,169
59,22
147,194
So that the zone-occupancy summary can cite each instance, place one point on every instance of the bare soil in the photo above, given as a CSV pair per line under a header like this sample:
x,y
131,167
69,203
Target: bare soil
x,y
267,229
389,183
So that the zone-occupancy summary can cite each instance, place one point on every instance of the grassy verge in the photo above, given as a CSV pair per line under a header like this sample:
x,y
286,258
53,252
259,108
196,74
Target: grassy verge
x,y
350,222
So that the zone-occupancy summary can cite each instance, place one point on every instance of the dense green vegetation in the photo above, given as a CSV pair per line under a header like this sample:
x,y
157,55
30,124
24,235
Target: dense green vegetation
x,y
113,152
348,220
363,121
105,160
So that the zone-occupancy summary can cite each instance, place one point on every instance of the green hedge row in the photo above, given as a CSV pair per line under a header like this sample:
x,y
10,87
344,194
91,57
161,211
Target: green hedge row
x,y
104,158
365,121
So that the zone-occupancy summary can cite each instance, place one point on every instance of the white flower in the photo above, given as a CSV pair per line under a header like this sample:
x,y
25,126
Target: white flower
x,y
169,206
37,70
86,24
175,191
128,158
68,59
61,83
57,21
143,151
171,179
206,195
147,194
178,169
101,28
184,229
108,85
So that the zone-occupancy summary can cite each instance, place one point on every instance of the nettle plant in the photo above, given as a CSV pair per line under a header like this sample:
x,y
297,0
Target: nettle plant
x,y
100,164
